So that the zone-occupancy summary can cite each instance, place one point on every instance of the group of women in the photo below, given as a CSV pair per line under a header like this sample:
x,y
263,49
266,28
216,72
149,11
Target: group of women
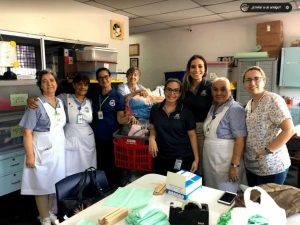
x,y
234,144
59,140
198,127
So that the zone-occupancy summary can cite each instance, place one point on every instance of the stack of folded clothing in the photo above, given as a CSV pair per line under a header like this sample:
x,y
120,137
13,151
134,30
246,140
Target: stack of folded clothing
x,y
148,215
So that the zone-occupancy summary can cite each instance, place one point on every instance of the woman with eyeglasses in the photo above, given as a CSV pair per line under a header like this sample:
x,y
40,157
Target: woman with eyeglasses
x,y
269,126
132,87
173,140
135,94
225,132
197,95
108,114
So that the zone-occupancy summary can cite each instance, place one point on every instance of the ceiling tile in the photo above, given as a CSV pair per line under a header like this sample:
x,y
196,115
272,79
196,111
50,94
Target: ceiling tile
x,y
151,27
184,14
196,20
213,2
131,16
139,22
226,7
162,7
124,4
238,14
97,5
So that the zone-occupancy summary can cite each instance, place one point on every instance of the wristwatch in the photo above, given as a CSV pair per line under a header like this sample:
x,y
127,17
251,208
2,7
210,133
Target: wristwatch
x,y
268,151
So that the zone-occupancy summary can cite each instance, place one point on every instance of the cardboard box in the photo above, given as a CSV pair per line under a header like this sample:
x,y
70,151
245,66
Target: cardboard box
x,y
273,51
272,27
270,39
182,183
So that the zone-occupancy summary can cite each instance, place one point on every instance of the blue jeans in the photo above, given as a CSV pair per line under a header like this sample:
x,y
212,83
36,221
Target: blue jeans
x,y
254,180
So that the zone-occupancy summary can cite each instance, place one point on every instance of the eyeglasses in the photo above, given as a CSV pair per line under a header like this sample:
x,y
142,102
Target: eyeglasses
x,y
170,90
255,79
103,78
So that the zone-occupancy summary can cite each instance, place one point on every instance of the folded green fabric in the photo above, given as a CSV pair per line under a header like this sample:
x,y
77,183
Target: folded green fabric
x,y
144,211
131,198
86,222
148,215
163,222
153,219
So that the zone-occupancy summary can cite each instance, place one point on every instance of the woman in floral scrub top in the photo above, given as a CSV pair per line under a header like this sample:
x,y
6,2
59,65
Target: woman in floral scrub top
x,y
269,126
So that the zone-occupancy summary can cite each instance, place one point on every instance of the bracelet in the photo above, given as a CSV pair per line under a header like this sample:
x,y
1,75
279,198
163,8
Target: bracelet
x,y
235,165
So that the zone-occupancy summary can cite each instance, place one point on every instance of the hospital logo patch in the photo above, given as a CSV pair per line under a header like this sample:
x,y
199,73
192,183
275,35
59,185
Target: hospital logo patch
x,y
112,102
203,93
177,116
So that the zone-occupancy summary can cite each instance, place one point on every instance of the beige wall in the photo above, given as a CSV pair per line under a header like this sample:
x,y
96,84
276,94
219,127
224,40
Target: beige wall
x,y
64,19
170,50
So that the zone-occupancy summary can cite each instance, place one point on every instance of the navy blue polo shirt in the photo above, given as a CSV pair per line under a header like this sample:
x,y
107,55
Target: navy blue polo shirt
x,y
171,131
110,103
200,102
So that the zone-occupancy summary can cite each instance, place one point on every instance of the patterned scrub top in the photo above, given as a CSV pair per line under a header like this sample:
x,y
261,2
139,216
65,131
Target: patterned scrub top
x,y
263,126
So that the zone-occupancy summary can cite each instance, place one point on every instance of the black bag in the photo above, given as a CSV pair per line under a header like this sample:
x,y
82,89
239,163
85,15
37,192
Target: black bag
x,y
78,191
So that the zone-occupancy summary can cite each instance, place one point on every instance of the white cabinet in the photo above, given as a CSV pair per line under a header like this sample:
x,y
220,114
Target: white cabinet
x,y
13,96
11,166
269,65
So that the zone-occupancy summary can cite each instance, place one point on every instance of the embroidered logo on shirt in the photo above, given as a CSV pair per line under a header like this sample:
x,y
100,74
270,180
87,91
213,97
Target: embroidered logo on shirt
x,y
203,93
86,109
177,116
112,102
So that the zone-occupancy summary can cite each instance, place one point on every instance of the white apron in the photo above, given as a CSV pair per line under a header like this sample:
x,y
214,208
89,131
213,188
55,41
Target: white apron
x,y
217,155
80,141
49,150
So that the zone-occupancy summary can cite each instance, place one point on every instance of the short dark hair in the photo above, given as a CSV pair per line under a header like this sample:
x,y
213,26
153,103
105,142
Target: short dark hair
x,y
40,75
180,86
81,78
102,69
132,70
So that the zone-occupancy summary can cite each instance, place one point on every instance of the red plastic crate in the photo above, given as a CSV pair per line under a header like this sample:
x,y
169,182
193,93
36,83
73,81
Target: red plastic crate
x,y
132,154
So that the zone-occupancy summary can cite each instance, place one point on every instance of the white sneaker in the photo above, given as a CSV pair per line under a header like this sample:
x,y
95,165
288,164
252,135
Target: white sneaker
x,y
46,221
53,218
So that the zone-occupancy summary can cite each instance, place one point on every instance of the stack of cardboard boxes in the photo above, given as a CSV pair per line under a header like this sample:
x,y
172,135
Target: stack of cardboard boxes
x,y
270,36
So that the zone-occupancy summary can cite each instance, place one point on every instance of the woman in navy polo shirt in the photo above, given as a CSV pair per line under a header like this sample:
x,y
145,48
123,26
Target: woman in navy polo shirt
x,y
173,139
197,94
108,113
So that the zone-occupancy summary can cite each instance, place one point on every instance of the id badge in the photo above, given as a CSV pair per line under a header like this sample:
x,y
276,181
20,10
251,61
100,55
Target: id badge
x,y
100,115
177,164
79,118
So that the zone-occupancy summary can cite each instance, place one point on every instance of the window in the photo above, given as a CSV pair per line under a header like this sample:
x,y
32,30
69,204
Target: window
x,y
27,61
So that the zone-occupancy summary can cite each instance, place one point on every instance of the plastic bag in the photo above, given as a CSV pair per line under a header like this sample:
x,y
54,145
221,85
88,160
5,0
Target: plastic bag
x,y
266,212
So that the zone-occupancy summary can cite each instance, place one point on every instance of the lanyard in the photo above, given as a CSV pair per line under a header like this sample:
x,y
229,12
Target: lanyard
x,y
102,102
54,107
78,103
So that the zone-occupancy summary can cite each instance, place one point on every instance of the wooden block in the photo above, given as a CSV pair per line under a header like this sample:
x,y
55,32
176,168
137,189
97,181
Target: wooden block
x,y
113,216
159,189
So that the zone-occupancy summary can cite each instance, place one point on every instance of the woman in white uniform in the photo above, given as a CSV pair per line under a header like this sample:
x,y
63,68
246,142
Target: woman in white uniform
x,y
44,143
225,132
80,140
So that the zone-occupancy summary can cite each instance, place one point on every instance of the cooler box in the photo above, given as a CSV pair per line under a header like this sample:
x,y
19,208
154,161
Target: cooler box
x,y
97,54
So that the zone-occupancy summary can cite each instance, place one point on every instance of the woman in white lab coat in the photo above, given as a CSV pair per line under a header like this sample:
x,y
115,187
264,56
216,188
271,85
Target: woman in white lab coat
x,y
44,143
225,132
80,140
